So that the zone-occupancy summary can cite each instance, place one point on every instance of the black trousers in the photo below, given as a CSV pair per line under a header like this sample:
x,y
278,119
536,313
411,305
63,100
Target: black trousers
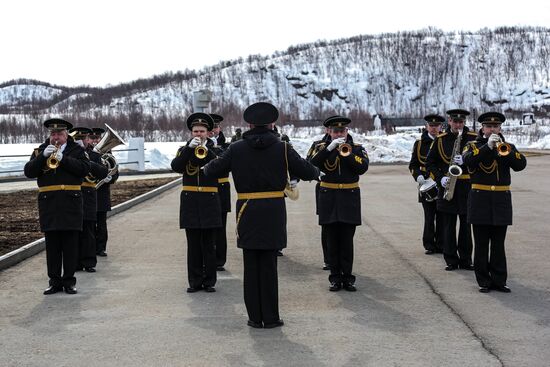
x,y
324,244
340,251
490,257
87,246
261,289
221,242
450,244
62,251
101,233
201,257
432,235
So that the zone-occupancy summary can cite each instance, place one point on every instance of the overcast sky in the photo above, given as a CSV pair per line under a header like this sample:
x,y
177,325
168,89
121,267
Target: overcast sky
x,y
100,42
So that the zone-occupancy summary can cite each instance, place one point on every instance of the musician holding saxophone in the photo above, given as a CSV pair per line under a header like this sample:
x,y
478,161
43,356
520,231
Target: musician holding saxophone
x,y
87,259
444,162
342,161
59,165
200,208
432,235
489,160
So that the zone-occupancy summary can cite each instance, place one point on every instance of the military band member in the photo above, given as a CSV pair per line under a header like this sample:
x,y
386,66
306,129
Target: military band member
x,y
456,254
312,150
103,201
258,163
489,160
59,165
224,188
200,208
343,162
87,259
432,235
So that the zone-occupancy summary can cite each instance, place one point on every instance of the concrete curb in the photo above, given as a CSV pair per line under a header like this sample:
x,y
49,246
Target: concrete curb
x,y
33,248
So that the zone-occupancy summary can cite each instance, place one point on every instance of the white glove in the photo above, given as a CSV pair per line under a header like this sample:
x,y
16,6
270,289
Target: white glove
x,y
48,151
81,143
458,159
444,181
420,179
195,142
293,183
493,140
108,179
59,155
335,143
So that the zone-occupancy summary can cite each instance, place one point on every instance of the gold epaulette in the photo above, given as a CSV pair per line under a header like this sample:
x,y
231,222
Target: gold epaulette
x,y
441,135
472,133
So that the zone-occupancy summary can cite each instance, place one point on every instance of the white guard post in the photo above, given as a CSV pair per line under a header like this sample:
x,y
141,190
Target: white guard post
x,y
136,153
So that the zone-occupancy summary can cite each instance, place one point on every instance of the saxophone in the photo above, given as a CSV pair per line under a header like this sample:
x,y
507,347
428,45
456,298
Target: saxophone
x,y
454,170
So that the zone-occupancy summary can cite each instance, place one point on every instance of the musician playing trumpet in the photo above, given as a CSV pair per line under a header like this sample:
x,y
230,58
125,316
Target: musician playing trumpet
x,y
60,205
490,202
432,235
200,208
339,204
444,162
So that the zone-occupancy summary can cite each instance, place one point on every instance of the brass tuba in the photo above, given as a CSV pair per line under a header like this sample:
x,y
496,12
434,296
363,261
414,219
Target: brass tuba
x,y
110,140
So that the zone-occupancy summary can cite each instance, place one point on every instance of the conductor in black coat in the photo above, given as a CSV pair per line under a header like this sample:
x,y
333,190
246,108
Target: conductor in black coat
x,y
60,205
489,160
457,254
432,234
200,210
340,198
259,163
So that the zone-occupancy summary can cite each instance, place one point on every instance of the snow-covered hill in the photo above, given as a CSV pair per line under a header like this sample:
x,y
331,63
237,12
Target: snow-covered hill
x,y
406,74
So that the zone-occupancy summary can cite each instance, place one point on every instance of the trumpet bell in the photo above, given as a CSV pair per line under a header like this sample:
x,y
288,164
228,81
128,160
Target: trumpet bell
x,y
52,162
503,149
200,152
344,149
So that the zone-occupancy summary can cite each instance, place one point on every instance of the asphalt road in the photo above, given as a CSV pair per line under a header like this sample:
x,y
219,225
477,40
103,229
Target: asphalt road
x,y
407,312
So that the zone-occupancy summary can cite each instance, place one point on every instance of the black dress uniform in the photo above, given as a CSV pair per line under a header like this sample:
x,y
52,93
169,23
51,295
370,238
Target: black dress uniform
x,y
310,153
87,259
490,204
200,210
259,171
340,203
437,163
60,206
432,234
103,206
224,190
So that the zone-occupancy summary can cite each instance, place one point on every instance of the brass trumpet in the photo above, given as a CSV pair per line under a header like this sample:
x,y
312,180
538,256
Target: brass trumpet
x,y
52,162
503,148
344,149
200,150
